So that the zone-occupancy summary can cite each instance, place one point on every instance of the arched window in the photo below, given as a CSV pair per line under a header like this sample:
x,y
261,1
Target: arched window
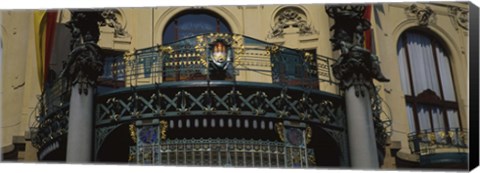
x,y
427,83
192,23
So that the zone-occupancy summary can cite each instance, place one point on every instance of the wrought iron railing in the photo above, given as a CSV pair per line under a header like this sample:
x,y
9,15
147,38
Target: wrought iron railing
x,y
190,59
51,113
432,141
223,152
218,97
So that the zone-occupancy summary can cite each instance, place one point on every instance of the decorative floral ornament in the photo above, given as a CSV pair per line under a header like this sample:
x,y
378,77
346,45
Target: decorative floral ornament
x,y
424,16
290,17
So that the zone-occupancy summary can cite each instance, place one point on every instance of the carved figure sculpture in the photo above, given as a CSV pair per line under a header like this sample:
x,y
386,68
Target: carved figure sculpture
x,y
356,65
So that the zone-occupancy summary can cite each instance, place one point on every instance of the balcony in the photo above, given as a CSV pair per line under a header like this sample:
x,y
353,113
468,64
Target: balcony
x,y
50,123
257,82
245,59
440,148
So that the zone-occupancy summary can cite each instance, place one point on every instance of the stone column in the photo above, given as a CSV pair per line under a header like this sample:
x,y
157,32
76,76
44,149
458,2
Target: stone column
x,y
80,126
361,136
83,68
356,68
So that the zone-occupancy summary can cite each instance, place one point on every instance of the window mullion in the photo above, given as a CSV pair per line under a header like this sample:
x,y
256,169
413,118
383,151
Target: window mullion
x,y
430,115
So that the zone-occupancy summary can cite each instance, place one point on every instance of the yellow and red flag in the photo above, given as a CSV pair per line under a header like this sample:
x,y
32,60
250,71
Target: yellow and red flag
x,y
368,33
44,28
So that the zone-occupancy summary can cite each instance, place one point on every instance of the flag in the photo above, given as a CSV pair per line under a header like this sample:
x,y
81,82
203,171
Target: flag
x,y
44,28
368,33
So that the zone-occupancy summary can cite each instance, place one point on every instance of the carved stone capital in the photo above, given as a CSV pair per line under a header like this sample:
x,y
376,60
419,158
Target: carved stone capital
x,y
86,66
85,61
356,66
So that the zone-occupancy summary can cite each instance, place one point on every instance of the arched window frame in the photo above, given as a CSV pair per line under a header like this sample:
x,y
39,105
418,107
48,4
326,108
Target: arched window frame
x,y
428,98
219,22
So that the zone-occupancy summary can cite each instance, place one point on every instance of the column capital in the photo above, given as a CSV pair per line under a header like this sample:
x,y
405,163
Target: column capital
x,y
356,66
84,61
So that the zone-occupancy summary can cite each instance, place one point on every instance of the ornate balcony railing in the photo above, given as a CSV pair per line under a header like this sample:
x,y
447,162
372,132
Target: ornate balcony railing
x,y
51,113
218,98
193,59
438,140
223,152
297,77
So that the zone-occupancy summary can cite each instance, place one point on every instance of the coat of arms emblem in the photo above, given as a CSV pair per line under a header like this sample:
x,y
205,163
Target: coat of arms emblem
x,y
220,60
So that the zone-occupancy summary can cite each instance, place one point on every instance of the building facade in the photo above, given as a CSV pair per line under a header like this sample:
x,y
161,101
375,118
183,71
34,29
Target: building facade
x,y
243,86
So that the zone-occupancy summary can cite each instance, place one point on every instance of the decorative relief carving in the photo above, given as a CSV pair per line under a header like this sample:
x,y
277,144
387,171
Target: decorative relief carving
x,y
84,64
459,16
115,20
424,16
356,66
291,17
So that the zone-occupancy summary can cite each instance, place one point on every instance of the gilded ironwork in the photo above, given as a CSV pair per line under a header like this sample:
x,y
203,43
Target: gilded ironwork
x,y
131,157
163,130
256,103
51,128
308,134
200,43
133,132
272,49
238,44
280,131
428,142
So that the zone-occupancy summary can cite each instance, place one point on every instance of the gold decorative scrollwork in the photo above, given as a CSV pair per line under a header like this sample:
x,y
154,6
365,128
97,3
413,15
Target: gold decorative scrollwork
x,y
442,134
163,131
238,44
308,135
131,157
272,49
308,56
431,138
280,129
133,133
166,49
200,47
129,54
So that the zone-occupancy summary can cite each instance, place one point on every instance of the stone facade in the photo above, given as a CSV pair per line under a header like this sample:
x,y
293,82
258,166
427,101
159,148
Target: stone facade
x,y
305,27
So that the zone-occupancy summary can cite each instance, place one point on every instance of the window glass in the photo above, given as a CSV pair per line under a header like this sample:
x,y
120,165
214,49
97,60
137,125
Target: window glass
x,y
194,23
427,83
